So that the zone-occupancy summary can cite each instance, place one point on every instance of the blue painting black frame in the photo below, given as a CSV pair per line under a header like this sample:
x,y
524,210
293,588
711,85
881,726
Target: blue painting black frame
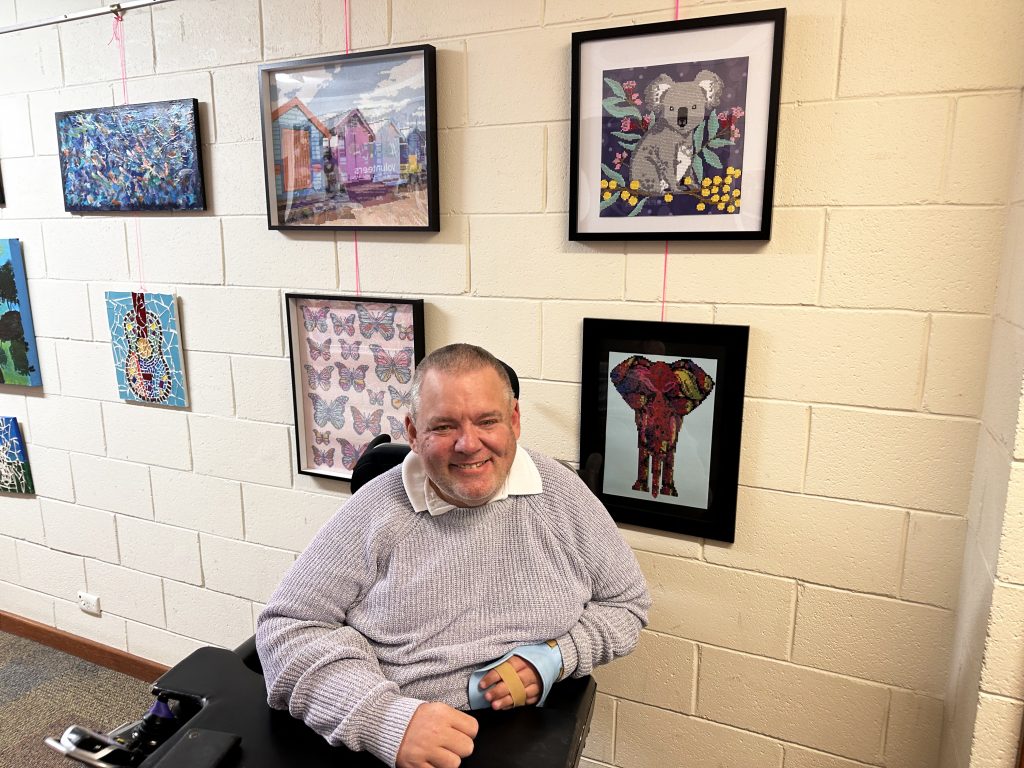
x,y
132,158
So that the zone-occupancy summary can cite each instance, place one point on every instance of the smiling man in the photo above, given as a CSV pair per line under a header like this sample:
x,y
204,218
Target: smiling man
x,y
476,575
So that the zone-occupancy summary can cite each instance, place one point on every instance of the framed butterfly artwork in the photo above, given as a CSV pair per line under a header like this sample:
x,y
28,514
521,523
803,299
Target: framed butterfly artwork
x,y
353,358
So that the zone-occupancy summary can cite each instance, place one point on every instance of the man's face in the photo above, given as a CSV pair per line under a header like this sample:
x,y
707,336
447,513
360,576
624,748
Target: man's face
x,y
465,432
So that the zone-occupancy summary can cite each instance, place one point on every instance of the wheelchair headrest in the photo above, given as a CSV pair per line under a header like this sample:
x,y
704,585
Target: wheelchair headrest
x,y
381,454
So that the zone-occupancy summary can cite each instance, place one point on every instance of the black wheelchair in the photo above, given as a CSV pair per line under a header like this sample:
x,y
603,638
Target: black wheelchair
x,y
211,711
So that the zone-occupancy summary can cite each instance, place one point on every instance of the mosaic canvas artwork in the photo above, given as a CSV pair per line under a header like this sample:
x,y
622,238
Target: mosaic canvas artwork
x,y
15,473
672,139
19,358
136,157
353,361
350,141
146,343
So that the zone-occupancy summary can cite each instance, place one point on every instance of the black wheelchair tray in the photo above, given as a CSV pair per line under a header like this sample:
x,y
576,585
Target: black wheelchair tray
x,y
231,699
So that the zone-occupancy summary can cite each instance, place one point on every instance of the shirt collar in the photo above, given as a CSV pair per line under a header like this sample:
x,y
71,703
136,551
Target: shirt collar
x,y
523,480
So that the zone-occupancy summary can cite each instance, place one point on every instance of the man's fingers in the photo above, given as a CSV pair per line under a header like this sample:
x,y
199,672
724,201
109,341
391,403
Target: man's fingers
x,y
466,724
458,743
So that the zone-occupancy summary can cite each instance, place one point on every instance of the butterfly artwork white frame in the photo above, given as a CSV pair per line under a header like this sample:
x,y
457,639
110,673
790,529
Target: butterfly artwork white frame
x,y
352,361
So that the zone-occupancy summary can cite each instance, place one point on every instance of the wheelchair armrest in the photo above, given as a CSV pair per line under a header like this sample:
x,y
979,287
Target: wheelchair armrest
x,y
250,657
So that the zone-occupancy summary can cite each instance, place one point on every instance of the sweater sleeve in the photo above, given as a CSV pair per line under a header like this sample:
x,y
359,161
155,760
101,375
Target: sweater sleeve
x,y
612,618
322,671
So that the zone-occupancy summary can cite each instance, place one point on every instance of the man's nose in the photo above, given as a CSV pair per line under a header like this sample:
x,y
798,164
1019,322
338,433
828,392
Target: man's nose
x,y
468,442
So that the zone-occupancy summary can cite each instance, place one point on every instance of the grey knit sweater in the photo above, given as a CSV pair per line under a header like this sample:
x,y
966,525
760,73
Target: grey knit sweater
x,y
388,607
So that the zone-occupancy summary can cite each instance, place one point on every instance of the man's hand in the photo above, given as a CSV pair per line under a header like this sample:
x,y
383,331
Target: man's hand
x,y
437,737
499,695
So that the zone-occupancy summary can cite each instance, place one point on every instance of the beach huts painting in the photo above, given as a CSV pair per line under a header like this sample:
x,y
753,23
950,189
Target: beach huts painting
x,y
136,157
19,358
350,141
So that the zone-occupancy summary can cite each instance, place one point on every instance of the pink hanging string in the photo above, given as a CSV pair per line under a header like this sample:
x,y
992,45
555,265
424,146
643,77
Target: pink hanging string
x,y
355,235
117,33
664,272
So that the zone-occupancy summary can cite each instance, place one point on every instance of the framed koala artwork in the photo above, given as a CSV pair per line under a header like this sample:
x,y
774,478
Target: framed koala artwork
x,y
661,414
674,128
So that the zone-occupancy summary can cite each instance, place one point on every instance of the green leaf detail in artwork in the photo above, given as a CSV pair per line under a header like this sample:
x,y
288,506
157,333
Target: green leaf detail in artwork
x,y
616,88
614,108
712,158
629,147
636,208
610,201
613,174
712,122
716,143
698,138
625,136
698,167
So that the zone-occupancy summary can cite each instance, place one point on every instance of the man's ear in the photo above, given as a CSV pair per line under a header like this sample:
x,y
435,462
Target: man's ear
x,y
515,419
410,430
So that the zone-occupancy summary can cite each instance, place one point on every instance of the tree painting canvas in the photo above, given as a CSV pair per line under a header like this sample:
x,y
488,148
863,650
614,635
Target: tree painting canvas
x,y
19,358
136,157
15,473
147,350
672,139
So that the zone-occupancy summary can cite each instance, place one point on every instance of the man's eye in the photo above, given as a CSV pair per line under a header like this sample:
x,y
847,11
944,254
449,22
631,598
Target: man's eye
x,y
442,428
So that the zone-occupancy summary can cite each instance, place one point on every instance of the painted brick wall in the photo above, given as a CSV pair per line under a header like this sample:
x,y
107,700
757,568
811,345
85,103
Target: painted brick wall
x,y
823,637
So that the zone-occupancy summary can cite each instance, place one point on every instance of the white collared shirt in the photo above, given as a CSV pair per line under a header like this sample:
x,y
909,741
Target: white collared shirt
x,y
523,480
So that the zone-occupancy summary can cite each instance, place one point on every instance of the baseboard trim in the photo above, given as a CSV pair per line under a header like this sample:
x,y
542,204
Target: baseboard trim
x,y
90,650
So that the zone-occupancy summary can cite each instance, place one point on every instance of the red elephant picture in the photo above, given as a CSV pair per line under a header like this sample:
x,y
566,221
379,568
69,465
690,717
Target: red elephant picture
x,y
660,394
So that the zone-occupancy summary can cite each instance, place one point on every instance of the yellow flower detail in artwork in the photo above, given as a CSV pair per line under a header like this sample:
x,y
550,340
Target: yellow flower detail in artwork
x,y
718,179
715,190
731,209
728,178
705,192
715,198
668,197
737,203
687,181
726,187
605,195
633,200
737,173
725,197
721,206
613,184
634,184
729,170
736,192
604,183
625,194
701,206
705,182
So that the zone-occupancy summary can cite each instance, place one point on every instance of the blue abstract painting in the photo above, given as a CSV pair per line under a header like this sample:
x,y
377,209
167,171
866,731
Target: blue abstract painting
x,y
19,359
147,347
15,473
137,157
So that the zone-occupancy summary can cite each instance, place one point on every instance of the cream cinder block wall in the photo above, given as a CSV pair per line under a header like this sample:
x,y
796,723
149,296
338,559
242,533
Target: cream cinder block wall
x,y
824,636
985,691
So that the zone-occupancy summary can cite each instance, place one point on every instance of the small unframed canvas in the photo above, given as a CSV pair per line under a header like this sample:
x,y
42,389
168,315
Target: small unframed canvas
x,y
137,157
15,473
19,359
146,343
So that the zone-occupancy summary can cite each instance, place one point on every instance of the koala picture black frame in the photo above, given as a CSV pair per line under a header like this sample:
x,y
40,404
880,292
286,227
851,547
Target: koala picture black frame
x,y
661,416
673,129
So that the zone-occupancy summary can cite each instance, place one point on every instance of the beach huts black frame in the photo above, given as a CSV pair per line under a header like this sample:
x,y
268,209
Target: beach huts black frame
x,y
350,141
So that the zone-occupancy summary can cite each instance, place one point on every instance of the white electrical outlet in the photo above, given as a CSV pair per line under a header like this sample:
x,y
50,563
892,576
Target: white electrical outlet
x,y
89,603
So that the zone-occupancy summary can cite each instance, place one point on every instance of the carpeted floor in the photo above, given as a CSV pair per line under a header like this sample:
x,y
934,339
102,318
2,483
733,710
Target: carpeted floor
x,y
43,691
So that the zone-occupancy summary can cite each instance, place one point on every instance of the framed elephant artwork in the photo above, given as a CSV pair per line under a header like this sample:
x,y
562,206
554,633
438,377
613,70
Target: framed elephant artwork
x,y
660,422
353,358
673,133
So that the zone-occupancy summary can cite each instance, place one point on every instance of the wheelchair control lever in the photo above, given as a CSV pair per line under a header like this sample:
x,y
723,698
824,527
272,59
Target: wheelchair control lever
x,y
95,749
